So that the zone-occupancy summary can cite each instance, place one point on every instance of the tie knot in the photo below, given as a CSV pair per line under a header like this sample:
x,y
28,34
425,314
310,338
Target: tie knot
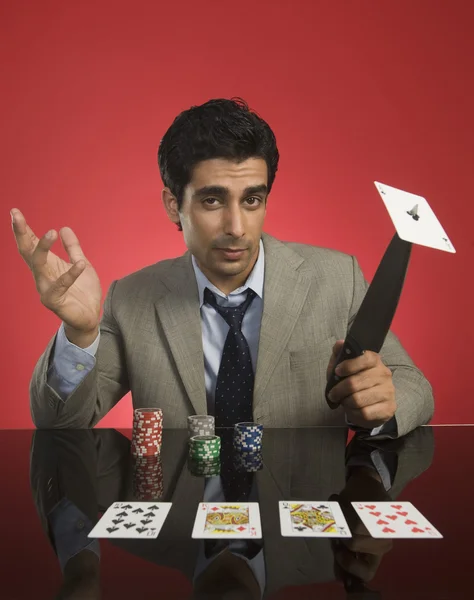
x,y
233,315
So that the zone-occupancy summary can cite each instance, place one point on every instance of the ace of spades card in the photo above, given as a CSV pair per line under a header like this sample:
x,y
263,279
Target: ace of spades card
x,y
132,520
313,519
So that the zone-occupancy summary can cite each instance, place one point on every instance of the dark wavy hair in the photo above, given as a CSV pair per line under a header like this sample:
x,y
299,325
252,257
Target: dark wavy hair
x,y
219,128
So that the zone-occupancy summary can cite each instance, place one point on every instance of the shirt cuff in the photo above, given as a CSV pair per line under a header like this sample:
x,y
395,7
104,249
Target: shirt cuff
x,y
70,364
388,428
70,528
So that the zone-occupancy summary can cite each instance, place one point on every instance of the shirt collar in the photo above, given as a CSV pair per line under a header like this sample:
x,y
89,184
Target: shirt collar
x,y
254,280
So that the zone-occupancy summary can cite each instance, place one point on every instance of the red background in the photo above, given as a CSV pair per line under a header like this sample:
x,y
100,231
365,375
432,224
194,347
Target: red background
x,y
354,90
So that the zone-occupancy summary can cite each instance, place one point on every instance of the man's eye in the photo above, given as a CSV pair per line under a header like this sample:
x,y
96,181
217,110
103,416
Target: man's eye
x,y
210,201
253,200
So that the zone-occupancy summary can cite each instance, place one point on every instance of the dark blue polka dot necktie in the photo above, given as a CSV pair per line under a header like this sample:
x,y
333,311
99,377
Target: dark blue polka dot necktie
x,y
235,379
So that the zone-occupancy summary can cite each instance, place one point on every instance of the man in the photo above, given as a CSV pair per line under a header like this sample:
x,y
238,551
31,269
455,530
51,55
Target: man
x,y
241,326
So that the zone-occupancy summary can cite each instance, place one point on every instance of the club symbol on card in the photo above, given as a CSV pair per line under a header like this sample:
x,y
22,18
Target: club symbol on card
x,y
127,507
154,507
142,529
300,528
122,514
149,514
285,505
137,510
146,521
414,213
112,529
117,521
129,525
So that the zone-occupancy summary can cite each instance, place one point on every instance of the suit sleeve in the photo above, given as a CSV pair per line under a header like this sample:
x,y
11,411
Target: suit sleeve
x,y
413,392
98,392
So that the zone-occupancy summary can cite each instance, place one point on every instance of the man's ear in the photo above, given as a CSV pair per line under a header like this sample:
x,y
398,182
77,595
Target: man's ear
x,y
171,205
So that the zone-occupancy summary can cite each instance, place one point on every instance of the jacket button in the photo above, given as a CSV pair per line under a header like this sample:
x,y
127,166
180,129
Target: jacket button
x,y
80,525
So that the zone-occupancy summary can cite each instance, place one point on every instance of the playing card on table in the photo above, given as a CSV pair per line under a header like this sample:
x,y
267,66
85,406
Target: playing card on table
x,y
230,520
132,520
413,218
394,520
313,519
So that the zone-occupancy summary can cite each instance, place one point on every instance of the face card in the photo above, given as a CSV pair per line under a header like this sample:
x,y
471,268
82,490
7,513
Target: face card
x,y
238,520
413,218
313,519
132,520
394,520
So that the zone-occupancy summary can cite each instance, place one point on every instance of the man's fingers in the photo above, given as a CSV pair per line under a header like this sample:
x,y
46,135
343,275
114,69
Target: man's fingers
x,y
39,257
375,414
63,283
352,366
26,240
332,361
71,244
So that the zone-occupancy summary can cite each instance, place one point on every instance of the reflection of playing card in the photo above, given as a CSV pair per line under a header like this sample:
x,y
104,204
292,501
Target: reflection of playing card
x,y
313,519
132,520
413,218
394,520
238,520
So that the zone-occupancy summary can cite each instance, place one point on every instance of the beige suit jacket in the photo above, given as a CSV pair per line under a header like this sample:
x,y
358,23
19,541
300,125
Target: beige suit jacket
x,y
151,345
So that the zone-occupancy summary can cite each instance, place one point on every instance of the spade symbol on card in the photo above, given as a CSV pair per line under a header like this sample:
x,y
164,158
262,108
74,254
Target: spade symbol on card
x,y
127,507
146,521
154,507
137,510
149,514
142,529
122,514
117,521
286,505
129,525
414,213
300,528
112,529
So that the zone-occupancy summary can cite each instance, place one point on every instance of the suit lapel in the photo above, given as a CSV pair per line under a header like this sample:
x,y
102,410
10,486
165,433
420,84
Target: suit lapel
x,y
284,294
179,314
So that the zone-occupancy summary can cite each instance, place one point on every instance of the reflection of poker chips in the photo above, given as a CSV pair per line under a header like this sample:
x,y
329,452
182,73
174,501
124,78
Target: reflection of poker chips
x,y
204,447
204,468
201,425
147,432
248,437
148,478
248,462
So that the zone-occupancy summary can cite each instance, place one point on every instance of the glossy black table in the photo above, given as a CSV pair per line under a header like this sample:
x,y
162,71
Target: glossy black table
x,y
431,467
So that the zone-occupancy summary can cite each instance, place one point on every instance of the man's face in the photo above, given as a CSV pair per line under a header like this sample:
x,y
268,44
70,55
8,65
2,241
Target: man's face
x,y
222,217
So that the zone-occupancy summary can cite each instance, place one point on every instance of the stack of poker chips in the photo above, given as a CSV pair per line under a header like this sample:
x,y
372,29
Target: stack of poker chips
x,y
248,447
148,478
201,425
204,455
147,432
